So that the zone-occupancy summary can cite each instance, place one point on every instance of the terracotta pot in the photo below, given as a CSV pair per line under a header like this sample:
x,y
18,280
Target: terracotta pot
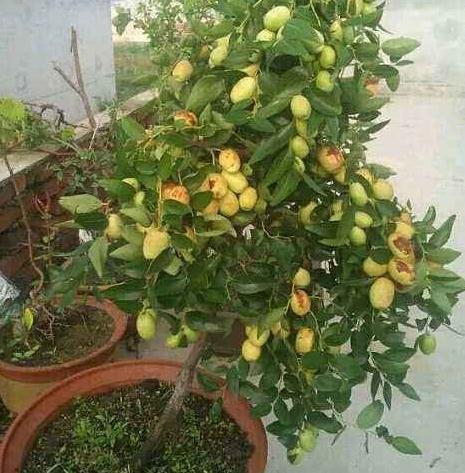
x,y
19,385
22,433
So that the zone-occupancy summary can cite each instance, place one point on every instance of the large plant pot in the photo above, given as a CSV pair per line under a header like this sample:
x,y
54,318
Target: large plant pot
x,y
43,410
19,385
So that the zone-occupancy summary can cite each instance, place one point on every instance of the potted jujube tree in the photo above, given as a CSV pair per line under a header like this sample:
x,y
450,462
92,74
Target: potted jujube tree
x,y
258,200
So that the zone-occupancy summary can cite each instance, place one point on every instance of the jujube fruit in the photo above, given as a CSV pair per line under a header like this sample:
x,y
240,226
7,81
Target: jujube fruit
x,y
300,302
248,199
401,271
250,352
155,242
276,18
327,57
305,340
115,227
255,338
300,107
382,190
146,325
374,269
182,71
427,344
244,89
330,158
325,82
301,278
229,160
357,236
358,194
382,293
236,181
229,204
299,147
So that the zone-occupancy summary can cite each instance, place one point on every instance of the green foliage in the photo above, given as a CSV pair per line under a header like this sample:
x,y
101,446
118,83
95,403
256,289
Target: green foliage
x,y
223,246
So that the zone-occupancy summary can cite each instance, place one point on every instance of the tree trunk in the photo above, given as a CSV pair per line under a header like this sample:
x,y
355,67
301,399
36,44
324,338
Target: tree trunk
x,y
171,411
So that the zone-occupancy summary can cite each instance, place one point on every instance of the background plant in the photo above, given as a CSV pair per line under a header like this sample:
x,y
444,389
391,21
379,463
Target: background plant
x,y
253,195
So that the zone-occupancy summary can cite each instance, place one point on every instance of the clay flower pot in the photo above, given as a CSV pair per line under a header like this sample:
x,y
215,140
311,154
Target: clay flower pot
x,y
23,431
19,385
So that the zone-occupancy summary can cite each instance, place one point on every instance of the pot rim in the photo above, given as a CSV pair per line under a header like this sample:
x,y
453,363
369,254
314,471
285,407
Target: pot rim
x,y
103,378
53,372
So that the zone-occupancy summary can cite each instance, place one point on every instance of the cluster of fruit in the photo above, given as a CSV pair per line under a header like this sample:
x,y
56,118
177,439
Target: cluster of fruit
x,y
300,305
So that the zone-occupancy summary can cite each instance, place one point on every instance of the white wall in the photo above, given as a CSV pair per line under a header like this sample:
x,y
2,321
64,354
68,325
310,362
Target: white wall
x,y
35,33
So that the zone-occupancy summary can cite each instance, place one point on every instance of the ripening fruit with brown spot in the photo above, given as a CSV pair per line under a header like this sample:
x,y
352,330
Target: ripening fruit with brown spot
x,y
374,269
383,190
114,228
401,271
229,160
216,184
250,352
305,340
236,181
330,158
182,71
300,302
255,338
248,199
186,118
173,191
229,204
382,293
155,242
400,246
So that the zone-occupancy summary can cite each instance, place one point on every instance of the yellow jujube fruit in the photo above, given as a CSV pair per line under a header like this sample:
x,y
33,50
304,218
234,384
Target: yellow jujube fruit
x,y
301,127
406,217
182,71
279,331
363,220
382,293
305,340
217,56
405,229
300,107
186,119
327,57
146,324
340,176
276,18
236,181
229,160
302,278
251,70
335,31
244,89
191,335
216,184
382,190
248,199
250,352
358,194
330,158
155,242
173,340
337,217
374,269
336,206
255,339
300,302
299,147
401,271
305,213
366,174
357,236
139,198
229,204
114,228
308,439
325,82
266,36
400,246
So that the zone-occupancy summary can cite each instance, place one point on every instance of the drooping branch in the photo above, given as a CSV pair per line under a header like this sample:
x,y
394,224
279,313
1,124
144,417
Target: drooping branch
x,y
79,86
172,409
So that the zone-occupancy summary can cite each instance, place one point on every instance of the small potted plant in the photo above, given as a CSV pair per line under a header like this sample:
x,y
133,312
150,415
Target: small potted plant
x,y
254,197
42,340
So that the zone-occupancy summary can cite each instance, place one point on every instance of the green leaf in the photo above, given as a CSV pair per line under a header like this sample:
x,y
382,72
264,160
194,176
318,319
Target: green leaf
x,y
399,355
327,383
272,145
173,207
118,188
315,360
323,422
326,104
208,383
127,252
443,255
261,410
138,214
204,322
285,187
346,224
441,236
81,203
347,366
200,200
272,317
253,287
98,253
132,128
408,391
370,415
405,445
399,47
91,220
206,90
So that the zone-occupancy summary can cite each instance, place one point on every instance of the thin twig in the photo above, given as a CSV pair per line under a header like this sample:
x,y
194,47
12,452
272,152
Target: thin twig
x,y
79,86
27,225
171,411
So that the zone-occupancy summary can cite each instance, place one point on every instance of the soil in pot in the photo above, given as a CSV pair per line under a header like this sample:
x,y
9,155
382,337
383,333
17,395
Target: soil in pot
x,y
101,433
72,335
5,419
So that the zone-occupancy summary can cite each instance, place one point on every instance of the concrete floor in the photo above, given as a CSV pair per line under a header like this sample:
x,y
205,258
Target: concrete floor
x,y
424,143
